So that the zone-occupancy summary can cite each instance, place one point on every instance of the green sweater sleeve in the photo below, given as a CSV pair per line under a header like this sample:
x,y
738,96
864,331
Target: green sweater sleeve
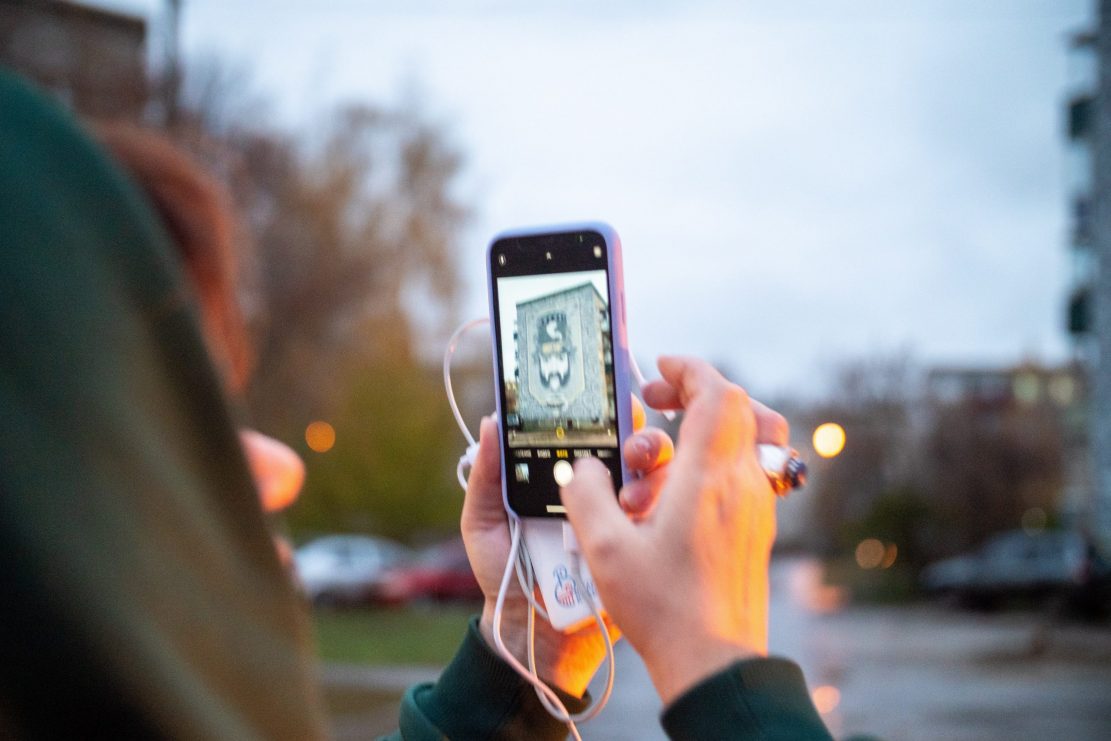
x,y
479,696
760,699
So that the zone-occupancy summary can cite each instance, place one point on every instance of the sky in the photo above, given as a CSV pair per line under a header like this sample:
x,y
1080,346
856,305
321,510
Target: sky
x,y
795,183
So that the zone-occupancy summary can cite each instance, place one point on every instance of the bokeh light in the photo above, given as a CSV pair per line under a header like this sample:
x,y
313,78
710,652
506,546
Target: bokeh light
x,y
826,698
890,553
870,553
829,439
320,436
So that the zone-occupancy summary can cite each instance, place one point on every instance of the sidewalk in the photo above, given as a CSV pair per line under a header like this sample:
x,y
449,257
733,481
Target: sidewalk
x,y
363,701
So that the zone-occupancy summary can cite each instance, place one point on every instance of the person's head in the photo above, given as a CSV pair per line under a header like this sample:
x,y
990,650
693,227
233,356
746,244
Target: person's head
x,y
197,213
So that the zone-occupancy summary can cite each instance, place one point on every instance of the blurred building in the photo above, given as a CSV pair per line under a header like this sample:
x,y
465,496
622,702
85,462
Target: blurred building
x,y
1060,390
1026,384
1088,125
92,59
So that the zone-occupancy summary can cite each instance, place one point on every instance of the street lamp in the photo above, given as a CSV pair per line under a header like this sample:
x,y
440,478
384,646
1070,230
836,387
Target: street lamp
x,y
829,439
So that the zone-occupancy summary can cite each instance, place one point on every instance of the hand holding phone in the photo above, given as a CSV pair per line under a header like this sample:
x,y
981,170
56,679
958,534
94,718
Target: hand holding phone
x,y
568,660
689,583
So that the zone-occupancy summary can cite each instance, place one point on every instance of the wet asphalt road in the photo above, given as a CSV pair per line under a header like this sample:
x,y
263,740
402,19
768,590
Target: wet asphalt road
x,y
919,672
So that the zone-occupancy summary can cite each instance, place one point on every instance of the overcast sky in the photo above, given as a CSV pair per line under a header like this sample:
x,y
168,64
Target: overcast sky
x,y
794,182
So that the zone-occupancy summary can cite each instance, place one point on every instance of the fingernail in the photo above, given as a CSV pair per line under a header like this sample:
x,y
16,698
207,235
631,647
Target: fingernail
x,y
643,449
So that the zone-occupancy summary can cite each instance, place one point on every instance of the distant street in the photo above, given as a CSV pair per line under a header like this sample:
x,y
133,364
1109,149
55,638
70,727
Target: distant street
x,y
899,673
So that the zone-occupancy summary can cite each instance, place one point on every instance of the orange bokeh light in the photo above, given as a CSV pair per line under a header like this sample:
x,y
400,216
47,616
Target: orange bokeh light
x,y
320,436
890,553
870,553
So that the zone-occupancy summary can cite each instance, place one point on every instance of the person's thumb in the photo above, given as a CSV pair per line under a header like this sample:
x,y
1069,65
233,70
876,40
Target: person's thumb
x,y
486,469
592,507
483,506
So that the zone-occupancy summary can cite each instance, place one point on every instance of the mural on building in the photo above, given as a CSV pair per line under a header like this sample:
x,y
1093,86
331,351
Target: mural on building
x,y
563,388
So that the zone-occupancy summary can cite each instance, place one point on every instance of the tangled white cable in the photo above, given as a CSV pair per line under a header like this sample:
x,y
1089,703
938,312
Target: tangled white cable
x,y
520,563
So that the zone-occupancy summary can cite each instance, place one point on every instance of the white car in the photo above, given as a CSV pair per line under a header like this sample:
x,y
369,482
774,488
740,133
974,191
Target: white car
x,y
345,569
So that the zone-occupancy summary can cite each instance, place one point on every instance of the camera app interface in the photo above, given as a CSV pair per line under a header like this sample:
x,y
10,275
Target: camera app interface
x,y
557,370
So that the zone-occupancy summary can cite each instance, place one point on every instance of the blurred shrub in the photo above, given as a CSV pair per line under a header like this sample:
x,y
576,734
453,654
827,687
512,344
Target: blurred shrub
x,y
392,469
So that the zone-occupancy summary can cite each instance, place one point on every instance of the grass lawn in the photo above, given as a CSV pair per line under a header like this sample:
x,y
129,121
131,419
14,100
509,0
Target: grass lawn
x,y
405,635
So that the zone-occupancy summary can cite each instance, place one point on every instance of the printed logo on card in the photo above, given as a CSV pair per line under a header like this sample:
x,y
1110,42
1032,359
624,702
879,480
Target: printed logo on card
x,y
565,593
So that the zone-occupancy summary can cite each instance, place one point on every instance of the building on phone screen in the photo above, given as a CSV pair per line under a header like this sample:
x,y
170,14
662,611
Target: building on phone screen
x,y
564,390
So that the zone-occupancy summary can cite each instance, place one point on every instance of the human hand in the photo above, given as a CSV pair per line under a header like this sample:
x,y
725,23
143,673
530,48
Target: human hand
x,y
567,660
277,470
278,473
688,584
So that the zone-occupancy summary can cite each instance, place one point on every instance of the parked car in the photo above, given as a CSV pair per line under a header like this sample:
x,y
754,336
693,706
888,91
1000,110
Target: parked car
x,y
441,573
345,569
1012,564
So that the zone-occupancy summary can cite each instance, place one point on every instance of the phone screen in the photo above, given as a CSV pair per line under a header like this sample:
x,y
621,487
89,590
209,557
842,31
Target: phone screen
x,y
554,332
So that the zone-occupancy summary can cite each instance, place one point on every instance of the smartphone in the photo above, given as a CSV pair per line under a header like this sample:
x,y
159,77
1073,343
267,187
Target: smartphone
x,y
561,359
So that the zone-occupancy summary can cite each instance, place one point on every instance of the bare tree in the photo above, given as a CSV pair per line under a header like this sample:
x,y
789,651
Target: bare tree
x,y
352,250
988,464
874,401
934,475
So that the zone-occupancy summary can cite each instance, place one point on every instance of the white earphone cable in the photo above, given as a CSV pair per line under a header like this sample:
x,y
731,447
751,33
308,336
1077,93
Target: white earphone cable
x,y
519,563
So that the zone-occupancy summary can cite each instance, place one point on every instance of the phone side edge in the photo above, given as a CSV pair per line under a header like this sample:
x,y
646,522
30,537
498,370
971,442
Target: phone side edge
x,y
494,318
621,370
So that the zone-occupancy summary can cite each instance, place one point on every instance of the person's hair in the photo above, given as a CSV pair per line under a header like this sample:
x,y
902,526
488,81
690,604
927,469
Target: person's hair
x,y
197,213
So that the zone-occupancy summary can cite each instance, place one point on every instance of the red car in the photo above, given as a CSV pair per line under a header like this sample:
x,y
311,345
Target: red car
x,y
440,573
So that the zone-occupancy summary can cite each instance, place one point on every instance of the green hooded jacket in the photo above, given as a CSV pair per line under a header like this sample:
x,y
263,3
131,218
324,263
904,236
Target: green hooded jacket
x,y
142,593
